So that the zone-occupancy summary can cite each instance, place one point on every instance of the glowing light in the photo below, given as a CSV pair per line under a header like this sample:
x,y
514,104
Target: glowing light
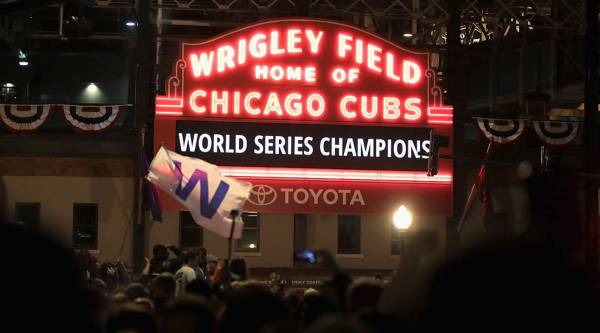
x,y
343,45
8,85
166,106
411,72
412,105
91,88
333,174
23,59
391,108
402,218
314,40
348,114
130,23
252,245
439,115
193,97
407,35
374,57
202,65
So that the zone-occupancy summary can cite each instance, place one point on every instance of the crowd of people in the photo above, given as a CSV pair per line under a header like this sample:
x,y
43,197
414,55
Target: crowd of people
x,y
512,286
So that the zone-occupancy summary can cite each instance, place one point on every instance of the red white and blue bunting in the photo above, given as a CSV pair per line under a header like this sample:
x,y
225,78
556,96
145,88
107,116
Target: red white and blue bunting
x,y
91,118
556,133
20,117
501,131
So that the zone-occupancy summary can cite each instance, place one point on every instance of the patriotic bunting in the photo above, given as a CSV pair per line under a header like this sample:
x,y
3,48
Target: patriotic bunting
x,y
556,133
24,117
83,118
91,118
501,131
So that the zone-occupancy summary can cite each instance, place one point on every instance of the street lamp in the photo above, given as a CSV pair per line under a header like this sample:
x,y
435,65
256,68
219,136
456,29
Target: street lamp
x,y
402,218
402,221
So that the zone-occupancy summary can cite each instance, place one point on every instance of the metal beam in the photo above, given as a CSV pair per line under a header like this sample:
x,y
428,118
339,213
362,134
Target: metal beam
x,y
590,137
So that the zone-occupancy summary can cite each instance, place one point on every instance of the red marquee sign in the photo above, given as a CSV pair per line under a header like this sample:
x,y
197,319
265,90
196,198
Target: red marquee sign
x,y
324,103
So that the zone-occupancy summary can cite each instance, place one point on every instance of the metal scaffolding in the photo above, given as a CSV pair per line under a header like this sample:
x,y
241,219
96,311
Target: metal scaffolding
x,y
419,22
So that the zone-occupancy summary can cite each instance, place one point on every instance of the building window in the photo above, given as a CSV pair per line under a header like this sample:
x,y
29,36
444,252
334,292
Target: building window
x,y
300,232
397,244
348,234
300,235
28,213
9,93
250,241
190,233
85,225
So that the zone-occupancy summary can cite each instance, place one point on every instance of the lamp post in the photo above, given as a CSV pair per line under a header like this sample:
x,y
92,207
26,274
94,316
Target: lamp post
x,y
402,221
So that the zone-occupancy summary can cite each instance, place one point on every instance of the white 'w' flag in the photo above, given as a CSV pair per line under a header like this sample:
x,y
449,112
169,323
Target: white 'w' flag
x,y
199,185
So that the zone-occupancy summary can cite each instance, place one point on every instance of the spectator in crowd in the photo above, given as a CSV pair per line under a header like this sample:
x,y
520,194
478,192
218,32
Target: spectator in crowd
x,y
363,296
54,303
199,287
250,308
202,262
238,269
211,266
132,318
160,262
312,307
120,298
187,314
187,272
519,285
162,289
136,290
85,266
108,273
100,286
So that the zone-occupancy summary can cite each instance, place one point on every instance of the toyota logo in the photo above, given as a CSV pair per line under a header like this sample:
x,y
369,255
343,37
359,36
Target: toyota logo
x,y
262,195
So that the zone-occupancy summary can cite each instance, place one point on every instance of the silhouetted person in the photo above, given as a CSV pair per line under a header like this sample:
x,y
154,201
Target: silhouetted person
x,y
131,318
108,273
199,287
84,265
238,269
518,286
40,291
162,289
335,289
363,296
136,290
187,314
160,262
202,263
249,309
337,324
313,307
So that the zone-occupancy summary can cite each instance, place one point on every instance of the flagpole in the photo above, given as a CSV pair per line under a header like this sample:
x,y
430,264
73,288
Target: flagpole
x,y
469,202
234,214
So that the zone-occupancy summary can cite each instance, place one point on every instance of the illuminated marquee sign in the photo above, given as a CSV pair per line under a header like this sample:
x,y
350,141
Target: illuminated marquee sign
x,y
307,145
300,99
